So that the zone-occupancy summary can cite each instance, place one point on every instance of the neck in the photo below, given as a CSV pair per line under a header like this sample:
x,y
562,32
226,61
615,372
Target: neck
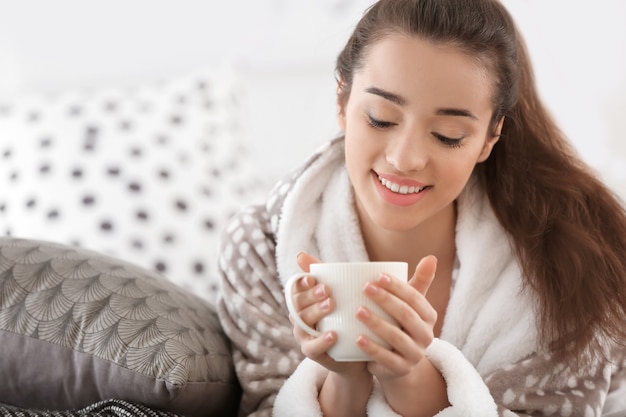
x,y
434,237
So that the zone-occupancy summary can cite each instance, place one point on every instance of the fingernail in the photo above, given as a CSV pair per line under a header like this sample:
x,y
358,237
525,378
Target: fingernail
x,y
319,291
371,288
384,279
329,337
325,305
363,313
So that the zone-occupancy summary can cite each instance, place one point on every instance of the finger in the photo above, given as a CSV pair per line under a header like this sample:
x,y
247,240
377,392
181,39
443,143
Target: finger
x,y
403,353
424,274
402,302
317,348
409,339
313,313
303,284
386,361
300,334
305,295
305,260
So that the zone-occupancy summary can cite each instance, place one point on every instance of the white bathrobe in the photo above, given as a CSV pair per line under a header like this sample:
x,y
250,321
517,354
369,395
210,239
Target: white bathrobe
x,y
488,351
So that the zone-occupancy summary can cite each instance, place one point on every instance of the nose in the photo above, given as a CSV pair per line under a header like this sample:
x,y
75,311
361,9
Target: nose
x,y
407,152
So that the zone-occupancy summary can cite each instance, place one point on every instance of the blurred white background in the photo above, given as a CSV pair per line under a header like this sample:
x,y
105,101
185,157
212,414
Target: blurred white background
x,y
284,52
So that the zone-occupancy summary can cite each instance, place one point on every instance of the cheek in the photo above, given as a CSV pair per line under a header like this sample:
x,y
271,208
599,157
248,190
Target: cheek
x,y
361,156
355,154
473,153
357,139
458,169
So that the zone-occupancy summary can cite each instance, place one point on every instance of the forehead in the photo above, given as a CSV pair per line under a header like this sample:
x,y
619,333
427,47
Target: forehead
x,y
419,69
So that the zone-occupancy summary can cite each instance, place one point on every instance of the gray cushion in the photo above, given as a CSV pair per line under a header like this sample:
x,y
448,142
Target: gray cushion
x,y
78,327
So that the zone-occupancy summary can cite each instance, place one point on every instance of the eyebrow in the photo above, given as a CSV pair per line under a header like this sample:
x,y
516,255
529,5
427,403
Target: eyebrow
x,y
401,101
456,112
386,95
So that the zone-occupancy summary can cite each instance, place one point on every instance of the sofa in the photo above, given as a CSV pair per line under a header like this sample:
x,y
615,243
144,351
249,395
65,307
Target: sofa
x,y
111,205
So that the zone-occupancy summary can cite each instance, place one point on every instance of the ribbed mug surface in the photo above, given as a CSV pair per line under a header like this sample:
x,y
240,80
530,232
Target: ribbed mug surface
x,y
347,282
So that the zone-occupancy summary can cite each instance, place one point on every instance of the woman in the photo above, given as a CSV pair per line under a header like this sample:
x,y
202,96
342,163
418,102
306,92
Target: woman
x,y
448,162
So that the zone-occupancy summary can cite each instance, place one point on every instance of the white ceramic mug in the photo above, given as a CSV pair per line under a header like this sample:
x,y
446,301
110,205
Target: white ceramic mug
x,y
346,281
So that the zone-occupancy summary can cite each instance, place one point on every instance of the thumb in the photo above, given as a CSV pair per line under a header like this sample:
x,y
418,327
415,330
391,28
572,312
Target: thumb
x,y
424,274
305,260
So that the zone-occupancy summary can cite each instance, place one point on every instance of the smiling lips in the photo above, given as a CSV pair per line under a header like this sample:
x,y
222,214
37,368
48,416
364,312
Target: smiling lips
x,y
399,192
400,189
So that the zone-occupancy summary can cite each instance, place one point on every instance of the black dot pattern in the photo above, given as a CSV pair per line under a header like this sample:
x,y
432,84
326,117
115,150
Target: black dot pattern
x,y
150,174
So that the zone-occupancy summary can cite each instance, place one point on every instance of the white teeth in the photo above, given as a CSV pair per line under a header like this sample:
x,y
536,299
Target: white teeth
x,y
400,189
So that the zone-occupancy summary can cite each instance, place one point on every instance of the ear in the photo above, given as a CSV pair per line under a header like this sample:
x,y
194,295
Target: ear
x,y
341,105
490,142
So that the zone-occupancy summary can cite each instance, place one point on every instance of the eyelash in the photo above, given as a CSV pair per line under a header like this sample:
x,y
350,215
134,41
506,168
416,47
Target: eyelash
x,y
450,142
379,124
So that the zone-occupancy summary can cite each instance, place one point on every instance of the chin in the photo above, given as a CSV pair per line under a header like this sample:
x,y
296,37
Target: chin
x,y
395,223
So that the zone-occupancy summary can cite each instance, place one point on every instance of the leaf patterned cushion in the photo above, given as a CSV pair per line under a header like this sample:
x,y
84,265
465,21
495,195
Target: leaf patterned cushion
x,y
77,327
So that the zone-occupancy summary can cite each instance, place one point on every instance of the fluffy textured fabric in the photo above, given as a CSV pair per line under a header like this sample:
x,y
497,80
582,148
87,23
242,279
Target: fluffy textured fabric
x,y
488,352
315,207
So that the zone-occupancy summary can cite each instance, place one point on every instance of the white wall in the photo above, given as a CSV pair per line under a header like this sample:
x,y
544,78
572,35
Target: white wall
x,y
285,51
579,52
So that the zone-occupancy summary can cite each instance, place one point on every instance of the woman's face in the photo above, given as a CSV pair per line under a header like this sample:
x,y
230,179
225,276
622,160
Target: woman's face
x,y
416,122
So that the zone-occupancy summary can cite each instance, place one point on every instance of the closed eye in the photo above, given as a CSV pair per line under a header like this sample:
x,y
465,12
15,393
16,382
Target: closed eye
x,y
379,124
451,142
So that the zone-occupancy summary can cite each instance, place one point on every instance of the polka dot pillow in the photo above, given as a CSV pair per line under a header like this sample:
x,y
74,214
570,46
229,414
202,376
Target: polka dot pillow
x,y
148,174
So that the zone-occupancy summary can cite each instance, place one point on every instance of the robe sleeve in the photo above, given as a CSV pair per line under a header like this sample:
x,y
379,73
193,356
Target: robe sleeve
x,y
532,387
252,311
275,379
467,393
539,386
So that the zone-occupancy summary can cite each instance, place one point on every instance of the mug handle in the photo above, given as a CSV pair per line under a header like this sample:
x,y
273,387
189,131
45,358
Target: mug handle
x,y
292,309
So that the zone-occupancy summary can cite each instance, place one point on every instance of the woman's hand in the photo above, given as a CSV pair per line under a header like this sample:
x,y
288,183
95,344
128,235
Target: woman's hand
x,y
348,386
314,301
407,304
411,384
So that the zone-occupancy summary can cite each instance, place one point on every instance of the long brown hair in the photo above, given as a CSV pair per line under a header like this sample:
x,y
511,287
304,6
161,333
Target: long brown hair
x,y
568,229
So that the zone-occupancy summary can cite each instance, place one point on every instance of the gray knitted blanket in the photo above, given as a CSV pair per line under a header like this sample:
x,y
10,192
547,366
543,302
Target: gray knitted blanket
x,y
106,408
